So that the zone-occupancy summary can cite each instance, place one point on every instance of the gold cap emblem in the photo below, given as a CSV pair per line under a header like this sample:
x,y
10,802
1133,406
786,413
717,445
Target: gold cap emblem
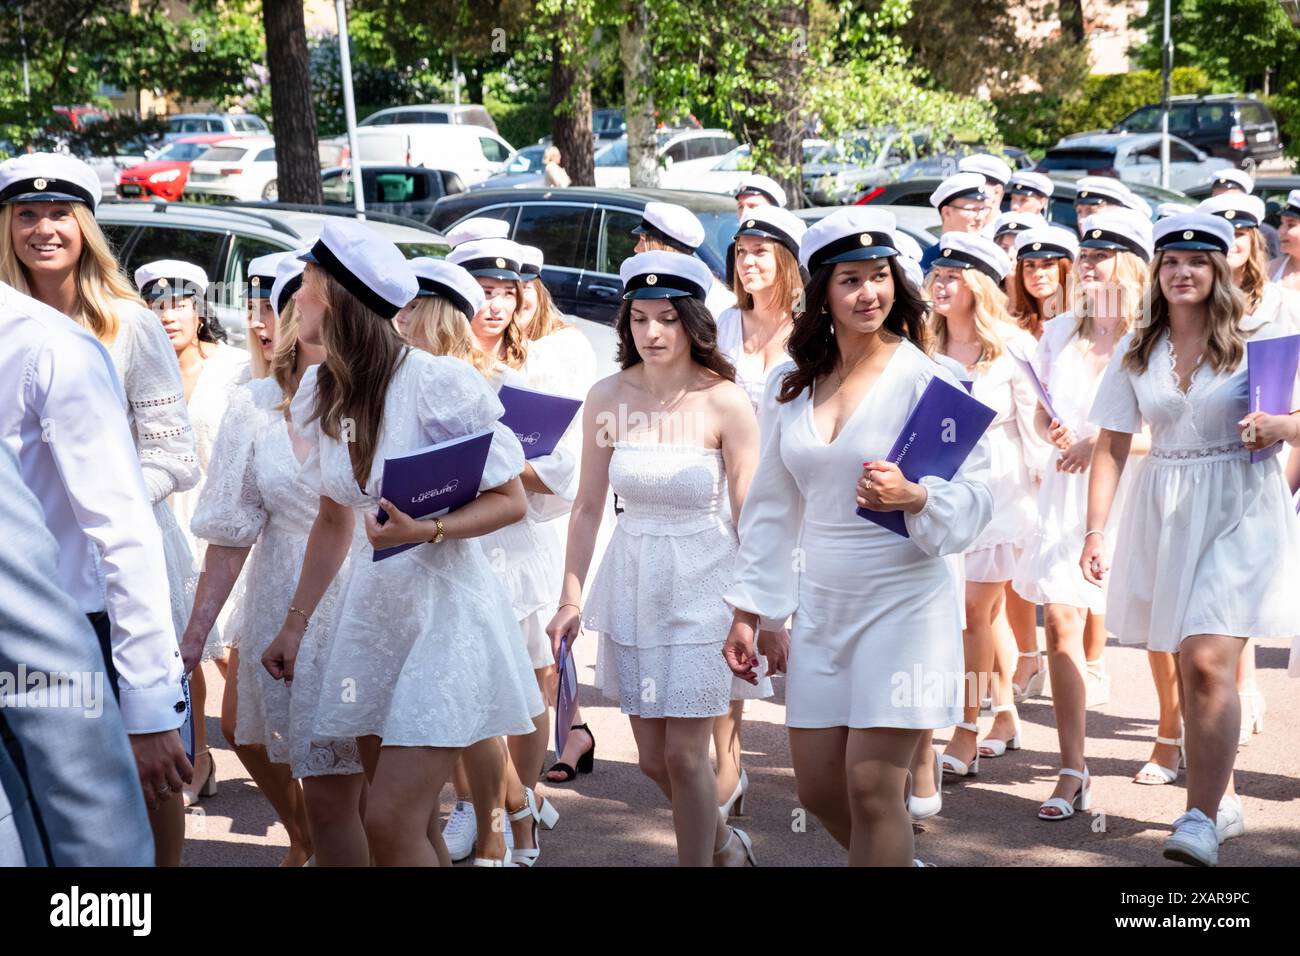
x,y
865,238
501,263
1084,194
750,224
1188,234
947,252
162,283
1230,214
1037,246
1096,234
255,281
40,183
651,279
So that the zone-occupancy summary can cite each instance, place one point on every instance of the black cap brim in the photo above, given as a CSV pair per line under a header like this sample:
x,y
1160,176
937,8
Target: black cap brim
x,y
1192,245
862,254
47,197
656,292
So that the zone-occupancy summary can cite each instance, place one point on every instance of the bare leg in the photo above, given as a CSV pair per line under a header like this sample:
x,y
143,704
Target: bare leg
x,y
726,744
403,797
1067,668
1004,665
983,601
818,759
485,768
528,751
1207,668
1164,672
333,805
876,762
699,827
924,782
168,825
198,707
1023,618
1094,637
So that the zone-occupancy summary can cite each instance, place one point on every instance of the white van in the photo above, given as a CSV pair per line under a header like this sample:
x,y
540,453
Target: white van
x,y
473,153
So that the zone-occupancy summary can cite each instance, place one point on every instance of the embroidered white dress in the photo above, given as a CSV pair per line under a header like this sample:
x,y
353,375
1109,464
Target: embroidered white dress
x,y
876,639
1048,571
528,556
1208,543
253,498
426,649
1016,454
656,599
146,364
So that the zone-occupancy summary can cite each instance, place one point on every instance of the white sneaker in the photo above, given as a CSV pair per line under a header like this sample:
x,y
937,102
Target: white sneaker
x,y
1230,821
1195,841
459,831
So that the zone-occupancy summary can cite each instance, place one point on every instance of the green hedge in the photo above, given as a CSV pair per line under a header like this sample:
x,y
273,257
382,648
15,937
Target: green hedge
x,y
520,124
1286,107
1031,120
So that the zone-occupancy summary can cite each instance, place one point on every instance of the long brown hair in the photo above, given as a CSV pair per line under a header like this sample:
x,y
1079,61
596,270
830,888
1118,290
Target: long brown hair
x,y
696,319
1254,271
1224,345
1028,311
101,286
284,356
362,351
785,288
812,341
546,317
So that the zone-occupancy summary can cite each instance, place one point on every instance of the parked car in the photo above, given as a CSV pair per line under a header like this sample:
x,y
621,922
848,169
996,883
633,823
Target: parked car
x,y
682,153
1133,158
408,191
608,124
585,234
726,174
243,168
857,160
945,162
164,174
79,117
222,240
232,124
916,192
1238,128
1272,189
443,114
472,152
524,169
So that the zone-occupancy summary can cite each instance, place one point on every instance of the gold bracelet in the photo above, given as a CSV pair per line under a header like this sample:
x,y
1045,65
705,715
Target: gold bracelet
x,y
437,538
306,618
570,604
1102,533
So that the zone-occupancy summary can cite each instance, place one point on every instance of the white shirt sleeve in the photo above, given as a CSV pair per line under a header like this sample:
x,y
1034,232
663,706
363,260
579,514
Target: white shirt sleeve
x,y
1116,405
157,399
75,391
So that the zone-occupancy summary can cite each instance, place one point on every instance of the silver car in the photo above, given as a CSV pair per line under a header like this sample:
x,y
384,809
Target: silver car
x,y
1133,158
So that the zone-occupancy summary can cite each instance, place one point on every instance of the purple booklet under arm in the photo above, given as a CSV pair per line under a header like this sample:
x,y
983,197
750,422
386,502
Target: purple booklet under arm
x,y
936,438
566,696
432,481
1039,388
1271,370
538,419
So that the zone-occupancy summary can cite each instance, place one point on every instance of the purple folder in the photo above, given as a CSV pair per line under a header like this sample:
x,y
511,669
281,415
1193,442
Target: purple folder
x,y
1271,370
1039,388
538,419
937,437
566,696
432,481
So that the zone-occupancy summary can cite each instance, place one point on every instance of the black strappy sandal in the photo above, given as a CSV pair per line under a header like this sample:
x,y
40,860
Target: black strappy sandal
x,y
586,763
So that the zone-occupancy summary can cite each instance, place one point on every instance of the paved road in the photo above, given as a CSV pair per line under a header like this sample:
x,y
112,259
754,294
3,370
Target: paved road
x,y
616,817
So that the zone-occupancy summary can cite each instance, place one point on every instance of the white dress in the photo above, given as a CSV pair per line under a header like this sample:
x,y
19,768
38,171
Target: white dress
x,y
146,364
876,640
253,498
1048,571
426,649
528,556
224,370
1208,543
1016,454
656,600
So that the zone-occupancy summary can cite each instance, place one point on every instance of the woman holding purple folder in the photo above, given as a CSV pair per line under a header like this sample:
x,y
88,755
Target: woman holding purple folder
x,y
1208,547
875,654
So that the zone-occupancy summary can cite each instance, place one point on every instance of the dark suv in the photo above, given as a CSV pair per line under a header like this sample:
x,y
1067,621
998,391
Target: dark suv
x,y
1237,128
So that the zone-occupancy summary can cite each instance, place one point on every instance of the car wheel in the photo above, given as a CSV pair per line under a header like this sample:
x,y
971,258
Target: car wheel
x,y
270,192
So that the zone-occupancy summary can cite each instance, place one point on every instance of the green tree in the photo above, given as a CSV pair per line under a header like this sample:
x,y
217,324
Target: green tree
x,y
1233,41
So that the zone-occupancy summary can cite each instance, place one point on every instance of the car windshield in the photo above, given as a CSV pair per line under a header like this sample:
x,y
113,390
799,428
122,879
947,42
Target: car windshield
x,y
527,160
615,154
223,154
180,152
1076,159
852,151
719,230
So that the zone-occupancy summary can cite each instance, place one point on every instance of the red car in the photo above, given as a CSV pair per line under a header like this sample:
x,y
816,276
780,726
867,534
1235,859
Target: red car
x,y
164,176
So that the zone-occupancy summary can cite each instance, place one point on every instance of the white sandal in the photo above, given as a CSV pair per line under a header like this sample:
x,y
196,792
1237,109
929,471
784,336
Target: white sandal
x,y
743,837
1153,769
544,816
1254,722
996,747
954,766
1033,686
922,808
1081,801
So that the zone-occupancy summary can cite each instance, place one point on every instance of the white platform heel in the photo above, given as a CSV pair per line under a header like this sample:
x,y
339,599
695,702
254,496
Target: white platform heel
x,y
1034,686
1082,799
997,748
956,767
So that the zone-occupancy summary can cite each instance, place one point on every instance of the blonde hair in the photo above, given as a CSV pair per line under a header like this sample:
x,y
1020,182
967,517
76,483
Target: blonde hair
x,y
546,317
284,356
440,328
101,286
1254,271
514,343
786,287
1129,282
990,310
258,366
551,154
1224,342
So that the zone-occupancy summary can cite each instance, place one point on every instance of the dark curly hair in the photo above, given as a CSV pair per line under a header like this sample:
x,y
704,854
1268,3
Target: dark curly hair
x,y
812,343
700,327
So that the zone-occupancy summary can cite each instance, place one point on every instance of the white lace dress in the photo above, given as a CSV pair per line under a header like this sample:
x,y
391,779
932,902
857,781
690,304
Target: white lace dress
x,y
1016,454
1208,543
876,640
528,556
146,364
656,600
253,498
426,649
1048,571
